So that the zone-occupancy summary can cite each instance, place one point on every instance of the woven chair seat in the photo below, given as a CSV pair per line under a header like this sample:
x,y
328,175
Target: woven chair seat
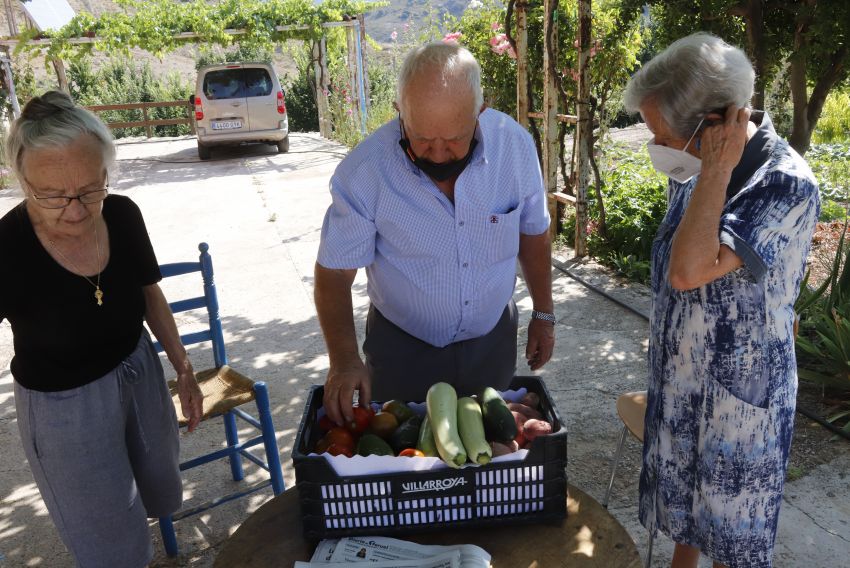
x,y
223,389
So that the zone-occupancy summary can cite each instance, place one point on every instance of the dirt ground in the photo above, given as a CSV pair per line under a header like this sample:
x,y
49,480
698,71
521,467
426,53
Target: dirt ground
x,y
261,213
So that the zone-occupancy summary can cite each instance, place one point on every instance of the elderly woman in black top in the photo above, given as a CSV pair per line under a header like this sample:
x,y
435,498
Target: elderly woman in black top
x,y
94,412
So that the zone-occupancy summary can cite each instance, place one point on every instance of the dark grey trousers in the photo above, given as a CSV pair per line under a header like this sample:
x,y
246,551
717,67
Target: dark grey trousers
x,y
105,457
404,367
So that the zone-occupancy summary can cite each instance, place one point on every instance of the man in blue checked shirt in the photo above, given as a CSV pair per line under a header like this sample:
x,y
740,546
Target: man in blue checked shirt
x,y
437,205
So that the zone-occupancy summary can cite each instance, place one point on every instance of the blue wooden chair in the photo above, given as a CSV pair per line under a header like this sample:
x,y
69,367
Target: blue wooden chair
x,y
224,391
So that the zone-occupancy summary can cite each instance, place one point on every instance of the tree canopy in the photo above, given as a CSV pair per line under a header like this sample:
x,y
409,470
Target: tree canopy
x,y
802,43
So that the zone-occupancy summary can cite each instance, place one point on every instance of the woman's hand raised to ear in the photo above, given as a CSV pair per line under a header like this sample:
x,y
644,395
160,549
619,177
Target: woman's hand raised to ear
x,y
722,143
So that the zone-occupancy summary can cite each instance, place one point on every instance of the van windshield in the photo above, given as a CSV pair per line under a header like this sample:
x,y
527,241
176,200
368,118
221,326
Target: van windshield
x,y
237,83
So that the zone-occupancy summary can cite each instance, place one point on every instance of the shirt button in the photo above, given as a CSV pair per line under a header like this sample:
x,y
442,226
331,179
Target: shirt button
x,y
466,303
465,264
460,223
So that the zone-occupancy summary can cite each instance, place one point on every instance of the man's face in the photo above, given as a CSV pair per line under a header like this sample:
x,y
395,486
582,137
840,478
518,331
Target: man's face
x,y
439,141
439,124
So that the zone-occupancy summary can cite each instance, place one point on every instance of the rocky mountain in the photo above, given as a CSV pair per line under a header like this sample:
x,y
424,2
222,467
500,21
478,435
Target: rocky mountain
x,y
418,14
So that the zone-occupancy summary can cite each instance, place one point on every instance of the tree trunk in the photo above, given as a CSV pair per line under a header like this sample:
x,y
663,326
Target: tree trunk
x,y
550,111
755,39
808,108
800,131
600,203
751,12
584,126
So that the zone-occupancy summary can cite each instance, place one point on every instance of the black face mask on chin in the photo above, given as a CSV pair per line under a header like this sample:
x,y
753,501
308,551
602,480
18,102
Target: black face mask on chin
x,y
437,172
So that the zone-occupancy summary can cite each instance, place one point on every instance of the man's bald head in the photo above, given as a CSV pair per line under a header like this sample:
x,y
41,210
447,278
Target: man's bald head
x,y
439,74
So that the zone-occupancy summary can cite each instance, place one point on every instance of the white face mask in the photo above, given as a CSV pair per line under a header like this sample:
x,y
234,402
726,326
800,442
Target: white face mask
x,y
675,164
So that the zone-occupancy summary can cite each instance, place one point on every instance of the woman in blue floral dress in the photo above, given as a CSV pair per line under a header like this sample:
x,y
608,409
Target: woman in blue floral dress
x,y
727,264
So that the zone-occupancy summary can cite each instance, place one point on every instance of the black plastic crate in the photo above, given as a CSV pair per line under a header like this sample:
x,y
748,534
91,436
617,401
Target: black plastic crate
x,y
529,491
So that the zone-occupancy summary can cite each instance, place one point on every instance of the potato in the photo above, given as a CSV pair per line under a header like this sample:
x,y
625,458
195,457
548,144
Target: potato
x,y
526,410
500,449
534,428
532,400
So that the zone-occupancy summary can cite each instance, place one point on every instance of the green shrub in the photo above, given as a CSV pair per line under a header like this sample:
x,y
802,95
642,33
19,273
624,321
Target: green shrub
x,y
300,96
831,211
834,122
823,343
119,82
831,165
630,267
635,204
239,52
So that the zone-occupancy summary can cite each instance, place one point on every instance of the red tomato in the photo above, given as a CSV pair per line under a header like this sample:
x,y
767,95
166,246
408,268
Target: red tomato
x,y
340,436
362,416
325,423
340,450
411,453
322,446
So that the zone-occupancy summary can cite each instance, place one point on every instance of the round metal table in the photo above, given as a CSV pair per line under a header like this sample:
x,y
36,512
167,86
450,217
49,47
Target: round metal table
x,y
589,537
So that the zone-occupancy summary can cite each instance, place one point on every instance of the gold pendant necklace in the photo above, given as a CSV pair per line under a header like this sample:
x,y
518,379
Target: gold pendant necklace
x,y
98,293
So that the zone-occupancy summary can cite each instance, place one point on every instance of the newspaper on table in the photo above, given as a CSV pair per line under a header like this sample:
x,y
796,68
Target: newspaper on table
x,y
384,552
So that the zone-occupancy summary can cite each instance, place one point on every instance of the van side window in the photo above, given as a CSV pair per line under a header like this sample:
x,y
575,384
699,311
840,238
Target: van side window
x,y
257,82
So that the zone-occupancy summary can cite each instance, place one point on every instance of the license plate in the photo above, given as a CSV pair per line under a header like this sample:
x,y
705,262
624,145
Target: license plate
x,y
226,124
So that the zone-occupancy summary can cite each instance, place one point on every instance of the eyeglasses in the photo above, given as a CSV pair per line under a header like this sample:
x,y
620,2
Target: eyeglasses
x,y
63,201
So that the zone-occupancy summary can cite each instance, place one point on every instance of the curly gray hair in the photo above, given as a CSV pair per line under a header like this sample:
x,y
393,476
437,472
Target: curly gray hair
x,y
695,75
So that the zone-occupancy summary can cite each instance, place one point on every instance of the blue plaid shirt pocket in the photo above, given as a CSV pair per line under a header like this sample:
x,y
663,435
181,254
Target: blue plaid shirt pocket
x,y
498,236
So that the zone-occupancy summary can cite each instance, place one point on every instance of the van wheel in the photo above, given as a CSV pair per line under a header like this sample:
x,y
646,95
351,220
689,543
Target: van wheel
x,y
283,145
203,152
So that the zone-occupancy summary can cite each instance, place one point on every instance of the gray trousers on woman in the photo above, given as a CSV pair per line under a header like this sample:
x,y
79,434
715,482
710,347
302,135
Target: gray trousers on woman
x,y
105,458
404,367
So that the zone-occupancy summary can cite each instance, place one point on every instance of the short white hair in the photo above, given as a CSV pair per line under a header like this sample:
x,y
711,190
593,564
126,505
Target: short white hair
x,y
695,75
54,121
452,61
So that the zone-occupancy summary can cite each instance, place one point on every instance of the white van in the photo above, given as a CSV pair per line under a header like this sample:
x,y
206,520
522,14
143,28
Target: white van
x,y
239,102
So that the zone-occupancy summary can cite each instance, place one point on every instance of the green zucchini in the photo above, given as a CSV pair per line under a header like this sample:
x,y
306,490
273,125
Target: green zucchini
x,y
499,423
441,402
470,425
426,439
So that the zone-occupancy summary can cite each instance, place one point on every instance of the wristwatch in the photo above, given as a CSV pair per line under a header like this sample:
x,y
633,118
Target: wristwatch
x,y
543,316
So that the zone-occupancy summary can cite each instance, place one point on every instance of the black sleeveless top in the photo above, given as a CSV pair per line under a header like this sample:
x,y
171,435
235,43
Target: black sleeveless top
x,y
62,338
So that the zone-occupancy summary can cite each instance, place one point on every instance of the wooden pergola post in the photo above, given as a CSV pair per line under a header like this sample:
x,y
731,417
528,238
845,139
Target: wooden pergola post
x,y
367,89
61,77
551,153
351,66
584,129
6,63
320,70
521,38
10,18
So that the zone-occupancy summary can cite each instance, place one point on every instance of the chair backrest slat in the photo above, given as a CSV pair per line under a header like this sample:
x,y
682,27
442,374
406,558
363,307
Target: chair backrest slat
x,y
209,300
196,337
188,304
178,268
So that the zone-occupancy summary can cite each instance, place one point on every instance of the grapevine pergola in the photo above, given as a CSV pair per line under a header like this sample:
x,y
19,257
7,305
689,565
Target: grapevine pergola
x,y
161,26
